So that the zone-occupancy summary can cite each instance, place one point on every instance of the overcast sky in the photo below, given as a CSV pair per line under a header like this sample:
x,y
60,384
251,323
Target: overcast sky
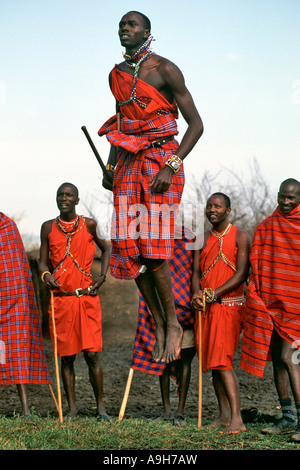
x,y
240,59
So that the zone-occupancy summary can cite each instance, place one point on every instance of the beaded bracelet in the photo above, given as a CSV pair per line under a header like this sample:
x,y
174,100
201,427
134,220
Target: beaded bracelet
x,y
174,162
44,274
110,167
103,276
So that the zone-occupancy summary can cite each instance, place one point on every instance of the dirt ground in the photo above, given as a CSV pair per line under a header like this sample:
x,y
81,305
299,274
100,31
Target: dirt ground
x,y
119,301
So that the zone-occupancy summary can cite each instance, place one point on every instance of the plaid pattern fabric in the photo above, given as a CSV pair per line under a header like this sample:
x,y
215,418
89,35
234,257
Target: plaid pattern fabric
x,y
273,294
181,269
137,135
143,223
22,356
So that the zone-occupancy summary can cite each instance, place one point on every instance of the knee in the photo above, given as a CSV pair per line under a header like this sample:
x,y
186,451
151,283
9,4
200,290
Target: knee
x,y
91,357
68,360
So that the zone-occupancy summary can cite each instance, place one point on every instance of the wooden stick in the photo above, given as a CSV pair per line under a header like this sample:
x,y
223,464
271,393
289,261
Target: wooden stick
x,y
56,362
200,370
96,153
126,394
54,398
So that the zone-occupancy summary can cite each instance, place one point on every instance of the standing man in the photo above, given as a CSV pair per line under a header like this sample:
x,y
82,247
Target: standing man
x,y
69,241
22,355
219,273
272,323
148,175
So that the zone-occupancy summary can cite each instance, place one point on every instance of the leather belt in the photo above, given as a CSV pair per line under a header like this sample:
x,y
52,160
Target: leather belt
x,y
78,292
160,142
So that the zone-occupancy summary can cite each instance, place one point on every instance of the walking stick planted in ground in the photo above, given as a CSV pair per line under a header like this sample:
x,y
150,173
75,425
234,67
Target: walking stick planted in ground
x,y
99,159
126,394
200,370
56,362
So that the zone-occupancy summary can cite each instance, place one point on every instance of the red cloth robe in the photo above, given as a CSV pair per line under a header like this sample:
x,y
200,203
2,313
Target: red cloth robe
x,y
273,295
143,223
22,355
222,322
78,320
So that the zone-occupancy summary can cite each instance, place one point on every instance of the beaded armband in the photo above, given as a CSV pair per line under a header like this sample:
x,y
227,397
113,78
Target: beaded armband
x,y
174,163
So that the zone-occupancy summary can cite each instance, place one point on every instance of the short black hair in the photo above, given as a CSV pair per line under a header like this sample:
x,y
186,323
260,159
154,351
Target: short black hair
x,y
72,185
290,182
227,198
147,22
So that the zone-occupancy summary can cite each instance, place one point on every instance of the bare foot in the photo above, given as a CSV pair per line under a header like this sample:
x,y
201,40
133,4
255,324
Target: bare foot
x,y
158,348
218,422
173,343
234,429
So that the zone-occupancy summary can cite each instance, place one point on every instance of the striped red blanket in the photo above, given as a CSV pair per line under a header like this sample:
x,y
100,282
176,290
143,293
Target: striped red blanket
x,y
22,356
273,296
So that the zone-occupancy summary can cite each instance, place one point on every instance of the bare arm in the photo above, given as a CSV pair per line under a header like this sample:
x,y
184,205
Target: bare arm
x,y
174,80
49,280
105,258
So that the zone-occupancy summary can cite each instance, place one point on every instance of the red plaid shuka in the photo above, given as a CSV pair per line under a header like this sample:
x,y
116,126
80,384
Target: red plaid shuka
x,y
273,295
22,356
143,223
181,265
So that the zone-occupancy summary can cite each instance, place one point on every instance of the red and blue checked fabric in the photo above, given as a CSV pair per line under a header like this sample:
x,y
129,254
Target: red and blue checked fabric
x,y
137,135
273,294
143,223
181,265
22,356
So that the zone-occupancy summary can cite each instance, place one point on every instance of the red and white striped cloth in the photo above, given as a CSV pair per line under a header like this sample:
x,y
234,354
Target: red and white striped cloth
x,y
273,295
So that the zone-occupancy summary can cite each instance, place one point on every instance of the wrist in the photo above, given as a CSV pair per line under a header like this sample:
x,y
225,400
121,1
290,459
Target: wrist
x,y
174,162
102,275
44,274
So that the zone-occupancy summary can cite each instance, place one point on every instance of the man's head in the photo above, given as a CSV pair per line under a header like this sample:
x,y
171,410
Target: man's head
x,y
67,197
289,195
134,29
218,208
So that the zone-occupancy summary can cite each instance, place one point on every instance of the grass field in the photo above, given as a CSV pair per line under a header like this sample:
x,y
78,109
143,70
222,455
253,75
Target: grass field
x,y
38,433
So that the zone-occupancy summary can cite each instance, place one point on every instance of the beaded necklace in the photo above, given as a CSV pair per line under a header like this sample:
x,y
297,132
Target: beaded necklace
x,y
220,254
143,53
69,233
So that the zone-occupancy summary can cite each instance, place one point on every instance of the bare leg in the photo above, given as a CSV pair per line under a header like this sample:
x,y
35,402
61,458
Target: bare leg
x,y
231,388
156,288
23,394
224,407
164,380
185,376
286,371
96,378
68,377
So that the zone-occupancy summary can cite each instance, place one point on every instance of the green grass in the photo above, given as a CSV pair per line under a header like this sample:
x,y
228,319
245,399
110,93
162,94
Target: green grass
x,y
38,433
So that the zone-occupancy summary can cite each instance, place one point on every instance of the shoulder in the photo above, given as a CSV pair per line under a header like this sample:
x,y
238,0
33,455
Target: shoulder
x,y
46,228
242,236
91,224
164,65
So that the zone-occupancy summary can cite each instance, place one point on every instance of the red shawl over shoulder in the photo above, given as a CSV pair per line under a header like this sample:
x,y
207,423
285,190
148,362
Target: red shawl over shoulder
x,y
273,296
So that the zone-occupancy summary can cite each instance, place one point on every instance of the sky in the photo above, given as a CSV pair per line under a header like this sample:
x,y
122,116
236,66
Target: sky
x,y
240,60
